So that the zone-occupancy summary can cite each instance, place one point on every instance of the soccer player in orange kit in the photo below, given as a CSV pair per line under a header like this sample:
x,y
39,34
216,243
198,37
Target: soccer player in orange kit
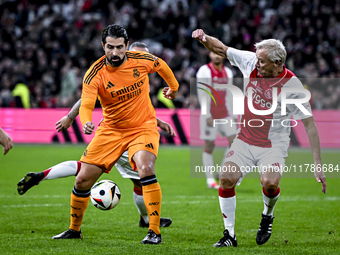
x,y
120,81
72,168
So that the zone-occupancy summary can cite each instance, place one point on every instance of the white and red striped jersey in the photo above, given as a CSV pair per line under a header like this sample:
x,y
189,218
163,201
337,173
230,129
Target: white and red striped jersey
x,y
208,74
276,128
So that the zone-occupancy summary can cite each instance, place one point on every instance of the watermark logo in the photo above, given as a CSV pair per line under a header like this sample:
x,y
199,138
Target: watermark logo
x,y
254,98
208,92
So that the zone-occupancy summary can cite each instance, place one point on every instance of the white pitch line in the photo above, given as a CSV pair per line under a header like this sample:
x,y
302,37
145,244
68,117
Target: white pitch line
x,y
206,198
215,200
32,205
35,196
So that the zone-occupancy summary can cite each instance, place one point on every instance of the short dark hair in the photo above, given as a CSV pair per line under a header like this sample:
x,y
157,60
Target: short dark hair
x,y
115,31
139,45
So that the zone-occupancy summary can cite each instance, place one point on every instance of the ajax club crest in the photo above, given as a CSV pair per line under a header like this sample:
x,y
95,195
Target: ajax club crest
x,y
268,94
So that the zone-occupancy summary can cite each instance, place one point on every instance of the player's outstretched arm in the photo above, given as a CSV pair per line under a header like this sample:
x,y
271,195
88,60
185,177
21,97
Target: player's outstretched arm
x,y
314,141
169,94
166,127
211,43
5,141
166,73
65,122
85,113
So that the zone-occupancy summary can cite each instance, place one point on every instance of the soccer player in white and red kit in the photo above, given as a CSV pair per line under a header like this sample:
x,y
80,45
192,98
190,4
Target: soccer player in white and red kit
x,y
261,141
213,74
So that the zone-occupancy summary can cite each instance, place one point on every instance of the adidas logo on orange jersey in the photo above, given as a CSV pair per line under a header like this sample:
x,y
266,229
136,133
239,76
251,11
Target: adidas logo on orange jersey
x,y
149,145
110,85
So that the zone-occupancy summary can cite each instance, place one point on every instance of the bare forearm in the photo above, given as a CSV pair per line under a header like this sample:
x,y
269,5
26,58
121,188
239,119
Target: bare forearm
x,y
315,145
215,45
75,110
314,141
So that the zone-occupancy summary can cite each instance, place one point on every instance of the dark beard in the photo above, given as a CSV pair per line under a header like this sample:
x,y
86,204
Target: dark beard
x,y
115,63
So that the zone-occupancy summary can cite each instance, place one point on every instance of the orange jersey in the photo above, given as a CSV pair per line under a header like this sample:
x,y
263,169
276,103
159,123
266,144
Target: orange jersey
x,y
124,91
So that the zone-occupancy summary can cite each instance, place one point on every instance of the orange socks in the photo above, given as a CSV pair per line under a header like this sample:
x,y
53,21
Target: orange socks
x,y
152,198
79,203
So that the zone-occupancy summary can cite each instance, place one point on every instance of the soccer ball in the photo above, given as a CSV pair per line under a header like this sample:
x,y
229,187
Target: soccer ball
x,y
105,195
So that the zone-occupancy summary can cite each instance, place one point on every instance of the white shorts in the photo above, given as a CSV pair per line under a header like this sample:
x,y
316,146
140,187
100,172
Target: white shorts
x,y
124,168
210,133
251,158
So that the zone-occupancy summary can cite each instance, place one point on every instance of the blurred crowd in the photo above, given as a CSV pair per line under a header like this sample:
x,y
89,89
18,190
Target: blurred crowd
x,y
45,49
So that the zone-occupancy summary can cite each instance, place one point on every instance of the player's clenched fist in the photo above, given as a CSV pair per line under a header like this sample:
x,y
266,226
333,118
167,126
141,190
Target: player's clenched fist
x,y
199,35
88,128
169,94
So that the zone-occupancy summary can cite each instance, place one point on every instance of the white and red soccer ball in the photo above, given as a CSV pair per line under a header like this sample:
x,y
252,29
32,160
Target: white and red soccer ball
x,y
105,195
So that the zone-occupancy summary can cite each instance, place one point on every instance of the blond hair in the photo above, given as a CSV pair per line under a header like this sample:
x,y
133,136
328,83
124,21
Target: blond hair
x,y
275,50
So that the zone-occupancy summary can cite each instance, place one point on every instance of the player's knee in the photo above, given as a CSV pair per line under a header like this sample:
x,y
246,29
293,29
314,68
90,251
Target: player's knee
x,y
229,175
227,183
146,169
82,183
270,185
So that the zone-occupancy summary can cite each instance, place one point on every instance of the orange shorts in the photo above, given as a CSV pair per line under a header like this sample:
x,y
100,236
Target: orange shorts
x,y
109,144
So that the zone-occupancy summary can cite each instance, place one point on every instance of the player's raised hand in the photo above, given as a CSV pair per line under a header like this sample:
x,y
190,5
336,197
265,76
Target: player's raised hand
x,y
166,127
320,176
88,128
6,141
199,35
169,94
63,124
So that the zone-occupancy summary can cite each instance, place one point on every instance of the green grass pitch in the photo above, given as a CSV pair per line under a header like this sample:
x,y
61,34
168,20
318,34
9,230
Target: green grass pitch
x,y
306,220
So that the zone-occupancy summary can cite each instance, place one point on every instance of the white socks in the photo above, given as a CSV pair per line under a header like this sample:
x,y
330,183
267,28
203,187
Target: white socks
x,y
64,169
139,202
269,201
227,200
